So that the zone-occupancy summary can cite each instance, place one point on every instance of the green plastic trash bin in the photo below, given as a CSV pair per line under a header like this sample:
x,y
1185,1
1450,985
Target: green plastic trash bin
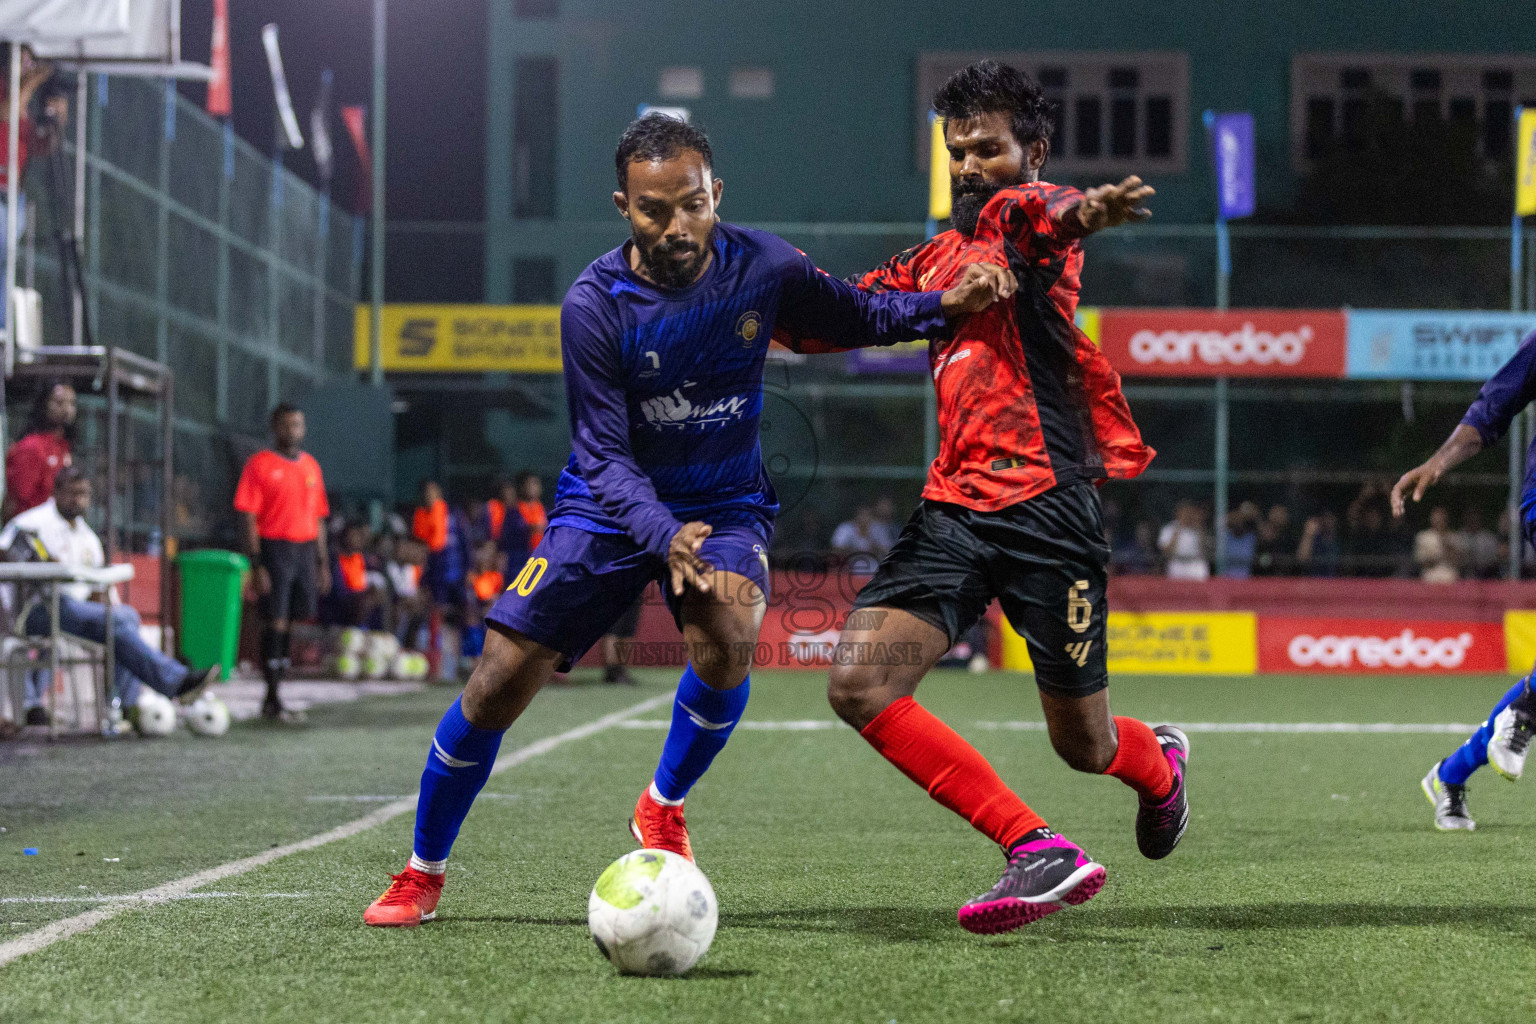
x,y
210,607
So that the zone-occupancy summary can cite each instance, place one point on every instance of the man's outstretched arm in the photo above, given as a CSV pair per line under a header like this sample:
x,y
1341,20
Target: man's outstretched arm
x,y
824,314
1508,391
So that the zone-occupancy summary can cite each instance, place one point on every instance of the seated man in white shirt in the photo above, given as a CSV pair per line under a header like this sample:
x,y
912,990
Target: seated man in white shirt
x,y
59,525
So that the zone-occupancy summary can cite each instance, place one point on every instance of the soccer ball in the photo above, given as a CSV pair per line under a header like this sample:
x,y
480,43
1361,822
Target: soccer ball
x,y
208,716
349,666
409,665
157,715
375,666
352,640
652,912
382,645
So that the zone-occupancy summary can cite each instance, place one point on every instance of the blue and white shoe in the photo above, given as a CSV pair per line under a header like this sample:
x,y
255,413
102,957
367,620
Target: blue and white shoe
x,y
1450,803
1512,731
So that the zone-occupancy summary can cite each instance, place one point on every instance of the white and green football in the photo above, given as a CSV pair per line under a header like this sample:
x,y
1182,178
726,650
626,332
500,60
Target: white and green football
x,y
652,912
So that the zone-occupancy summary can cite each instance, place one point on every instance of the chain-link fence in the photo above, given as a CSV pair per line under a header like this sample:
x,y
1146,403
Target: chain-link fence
x,y
204,254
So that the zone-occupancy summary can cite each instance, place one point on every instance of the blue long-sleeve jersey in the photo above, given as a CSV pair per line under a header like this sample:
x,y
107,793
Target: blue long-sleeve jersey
x,y
665,387
1510,389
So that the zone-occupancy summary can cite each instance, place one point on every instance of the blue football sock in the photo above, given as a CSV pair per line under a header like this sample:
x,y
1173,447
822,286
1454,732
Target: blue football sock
x,y
458,764
702,720
1473,754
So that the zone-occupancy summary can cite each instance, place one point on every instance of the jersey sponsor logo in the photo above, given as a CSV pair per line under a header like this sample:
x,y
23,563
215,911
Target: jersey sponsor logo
x,y
949,360
1378,645
676,410
748,326
1248,343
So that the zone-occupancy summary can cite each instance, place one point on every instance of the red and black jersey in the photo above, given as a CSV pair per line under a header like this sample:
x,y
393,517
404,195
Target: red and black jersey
x,y
1026,401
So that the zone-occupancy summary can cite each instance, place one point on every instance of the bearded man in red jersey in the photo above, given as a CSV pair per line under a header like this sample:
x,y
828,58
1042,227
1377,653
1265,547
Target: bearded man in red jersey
x,y
1032,419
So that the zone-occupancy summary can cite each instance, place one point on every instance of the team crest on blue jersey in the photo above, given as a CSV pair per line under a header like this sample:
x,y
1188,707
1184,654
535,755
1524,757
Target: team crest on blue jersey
x,y
747,327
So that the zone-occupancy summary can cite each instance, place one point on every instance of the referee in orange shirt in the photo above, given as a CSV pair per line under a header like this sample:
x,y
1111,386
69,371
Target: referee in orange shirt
x,y
281,497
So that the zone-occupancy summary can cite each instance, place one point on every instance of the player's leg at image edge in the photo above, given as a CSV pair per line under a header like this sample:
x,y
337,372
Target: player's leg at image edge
x,y
703,719
1502,741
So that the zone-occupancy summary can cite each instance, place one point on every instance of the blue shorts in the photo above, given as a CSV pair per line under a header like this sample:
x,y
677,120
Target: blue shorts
x,y
577,583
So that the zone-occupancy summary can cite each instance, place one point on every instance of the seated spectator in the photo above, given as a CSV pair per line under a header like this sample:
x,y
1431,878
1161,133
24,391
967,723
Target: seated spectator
x,y
1479,547
59,525
1319,552
1274,549
1241,525
886,526
1137,555
1184,544
858,536
1435,549
359,593
485,583
1370,548
409,606
44,449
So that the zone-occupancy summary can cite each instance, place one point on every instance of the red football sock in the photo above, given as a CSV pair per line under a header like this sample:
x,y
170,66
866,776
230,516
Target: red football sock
x,y
1139,763
953,772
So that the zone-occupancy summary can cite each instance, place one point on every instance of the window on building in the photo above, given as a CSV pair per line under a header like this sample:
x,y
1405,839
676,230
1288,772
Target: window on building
x,y
752,84
1338,100
533,281
535,126
1115,112
535,8
680,83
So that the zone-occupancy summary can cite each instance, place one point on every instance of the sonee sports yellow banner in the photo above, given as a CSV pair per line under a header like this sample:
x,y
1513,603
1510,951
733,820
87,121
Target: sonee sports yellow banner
x,y
1175,643
463,338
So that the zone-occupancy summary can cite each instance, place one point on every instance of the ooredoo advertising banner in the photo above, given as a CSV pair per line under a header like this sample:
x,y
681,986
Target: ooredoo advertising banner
x,y
1205,343
1379,645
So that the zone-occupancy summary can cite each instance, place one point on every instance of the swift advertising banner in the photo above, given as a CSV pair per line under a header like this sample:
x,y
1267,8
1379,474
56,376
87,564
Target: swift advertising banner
x,y
1398,344
463,338
1239,343
1379,645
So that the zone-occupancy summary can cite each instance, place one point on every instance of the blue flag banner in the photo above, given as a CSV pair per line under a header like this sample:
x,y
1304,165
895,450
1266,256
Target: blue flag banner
x,y
1431,344
1232,146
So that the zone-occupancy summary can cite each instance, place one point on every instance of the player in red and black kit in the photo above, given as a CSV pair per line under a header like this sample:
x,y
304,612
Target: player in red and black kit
x,y
1031,418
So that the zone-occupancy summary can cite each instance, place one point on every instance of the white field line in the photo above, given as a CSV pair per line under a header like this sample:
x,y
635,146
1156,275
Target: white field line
x,y
349,798
47,935
820,724
135,897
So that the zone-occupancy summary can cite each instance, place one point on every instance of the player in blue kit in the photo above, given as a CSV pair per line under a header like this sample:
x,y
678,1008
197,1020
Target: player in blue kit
x,y
1506,736
663,341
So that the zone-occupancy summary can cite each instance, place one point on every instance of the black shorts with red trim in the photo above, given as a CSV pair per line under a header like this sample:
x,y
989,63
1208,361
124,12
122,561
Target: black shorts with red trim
x,y
1043,560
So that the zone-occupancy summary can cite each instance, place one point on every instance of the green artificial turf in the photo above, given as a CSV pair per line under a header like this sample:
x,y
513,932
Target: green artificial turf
x,y
1310,886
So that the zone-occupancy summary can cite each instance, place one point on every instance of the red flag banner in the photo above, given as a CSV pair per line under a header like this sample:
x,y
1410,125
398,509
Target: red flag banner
x,y
220,102
352,117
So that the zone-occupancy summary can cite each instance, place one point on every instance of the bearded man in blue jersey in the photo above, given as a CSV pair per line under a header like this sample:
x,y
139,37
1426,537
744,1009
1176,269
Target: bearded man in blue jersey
x,y
663,341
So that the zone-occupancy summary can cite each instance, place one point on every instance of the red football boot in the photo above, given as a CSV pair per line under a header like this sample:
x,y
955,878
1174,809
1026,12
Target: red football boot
x,y
659,827
410,899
